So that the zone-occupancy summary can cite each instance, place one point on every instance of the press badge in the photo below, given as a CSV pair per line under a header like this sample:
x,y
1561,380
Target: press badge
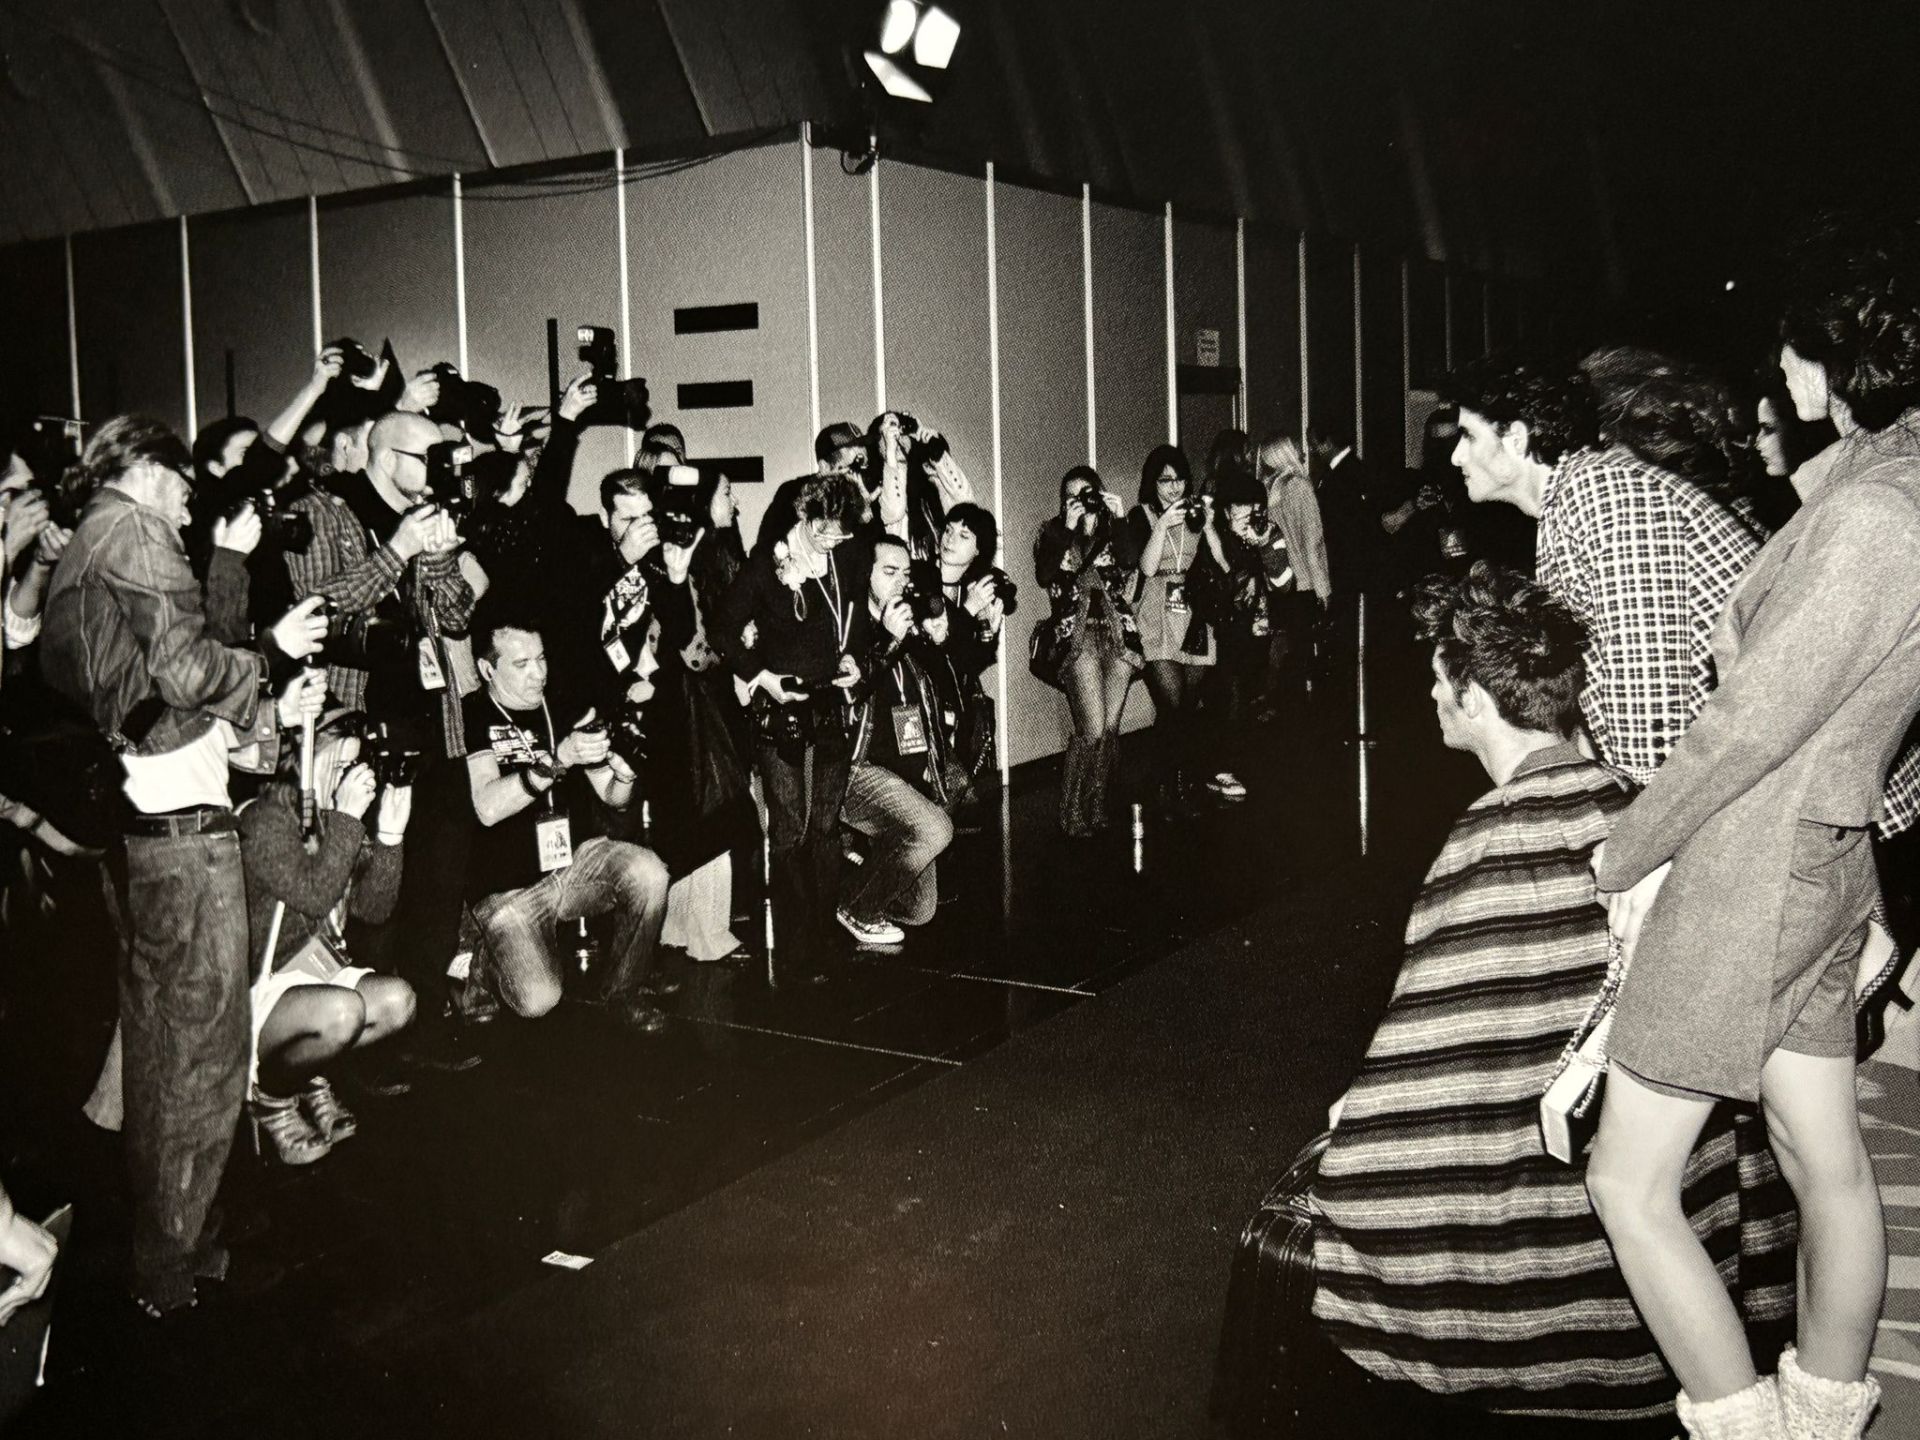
x,y
617,653
909,730
554,839
432,677
1177,596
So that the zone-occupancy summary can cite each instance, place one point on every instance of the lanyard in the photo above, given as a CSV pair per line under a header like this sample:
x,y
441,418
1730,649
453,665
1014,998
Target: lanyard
x,y
842,614
526,739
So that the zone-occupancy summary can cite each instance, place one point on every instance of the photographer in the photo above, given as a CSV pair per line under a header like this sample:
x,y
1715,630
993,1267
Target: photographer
x,y
1172,525
915,480
311,1005
966,637
388,560
126,638
1252,600
897,786
33,546
541,856
701,803
840,447
785,627
1089,647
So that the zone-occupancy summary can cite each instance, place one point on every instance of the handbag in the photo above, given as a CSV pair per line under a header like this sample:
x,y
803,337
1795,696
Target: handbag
x,y
1569,1110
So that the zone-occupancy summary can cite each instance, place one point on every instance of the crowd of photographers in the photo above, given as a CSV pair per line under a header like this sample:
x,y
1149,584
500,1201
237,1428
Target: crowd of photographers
x,y
244,677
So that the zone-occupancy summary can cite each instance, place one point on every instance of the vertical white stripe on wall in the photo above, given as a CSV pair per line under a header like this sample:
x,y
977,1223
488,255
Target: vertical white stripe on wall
x,y
993,392
626,282
73,332
1240,313
1406,361
1086,306
460,273
1173,377
879,304
1359,366
313,271
813,279
1306,350
186,330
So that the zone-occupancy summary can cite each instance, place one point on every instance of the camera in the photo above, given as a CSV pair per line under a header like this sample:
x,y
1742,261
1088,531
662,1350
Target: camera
x,y
1195,513
281,527
923,593
450,478
474,407
355,362
1003,589
393,762
677,516
619,402
625,729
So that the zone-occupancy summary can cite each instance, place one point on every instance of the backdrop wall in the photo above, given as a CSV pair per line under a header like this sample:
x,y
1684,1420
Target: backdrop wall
x,y
1071,301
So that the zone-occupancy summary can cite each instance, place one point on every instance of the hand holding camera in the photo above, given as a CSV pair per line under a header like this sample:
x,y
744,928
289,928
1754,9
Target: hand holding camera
x,y
586,744
897,617
396,808
425,527
353,794
783,689
302,631
239,532
582,395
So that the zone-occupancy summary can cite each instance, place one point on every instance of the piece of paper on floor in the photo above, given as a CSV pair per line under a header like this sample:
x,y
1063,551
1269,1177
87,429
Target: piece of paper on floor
x,y
566,1261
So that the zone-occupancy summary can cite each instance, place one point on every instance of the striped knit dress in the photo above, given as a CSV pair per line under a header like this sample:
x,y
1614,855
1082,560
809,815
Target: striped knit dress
x,y
1453,1252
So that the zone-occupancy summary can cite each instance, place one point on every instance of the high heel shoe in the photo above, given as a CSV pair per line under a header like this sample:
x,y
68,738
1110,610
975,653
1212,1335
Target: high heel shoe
x,y
294,1140
321,1106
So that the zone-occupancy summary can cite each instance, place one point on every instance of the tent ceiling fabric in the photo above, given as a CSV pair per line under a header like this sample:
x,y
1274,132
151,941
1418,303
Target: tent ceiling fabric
x,y
1330,117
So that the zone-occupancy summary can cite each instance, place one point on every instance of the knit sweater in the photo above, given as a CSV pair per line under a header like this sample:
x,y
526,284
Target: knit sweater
x,y
344,864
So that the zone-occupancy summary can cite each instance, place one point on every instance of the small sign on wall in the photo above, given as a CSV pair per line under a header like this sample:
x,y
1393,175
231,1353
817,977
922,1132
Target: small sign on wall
x,y
1207,346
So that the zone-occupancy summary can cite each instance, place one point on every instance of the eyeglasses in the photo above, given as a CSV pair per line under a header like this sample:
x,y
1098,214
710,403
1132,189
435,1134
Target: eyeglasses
x,y
419,455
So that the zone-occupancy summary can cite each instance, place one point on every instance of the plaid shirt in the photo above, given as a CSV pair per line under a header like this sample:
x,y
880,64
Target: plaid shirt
x,y
1647,561
344,564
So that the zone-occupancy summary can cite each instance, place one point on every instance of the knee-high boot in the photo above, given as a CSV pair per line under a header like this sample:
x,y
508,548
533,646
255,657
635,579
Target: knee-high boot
x,y
1076,781
1106,752
1822,1409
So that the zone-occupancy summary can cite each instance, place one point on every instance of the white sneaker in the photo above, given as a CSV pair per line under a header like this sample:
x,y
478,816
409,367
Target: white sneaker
x,y
1225,784
879,932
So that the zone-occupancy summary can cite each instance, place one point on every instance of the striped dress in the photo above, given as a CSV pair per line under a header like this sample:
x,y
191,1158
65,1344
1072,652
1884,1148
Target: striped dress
x,y
1453,1252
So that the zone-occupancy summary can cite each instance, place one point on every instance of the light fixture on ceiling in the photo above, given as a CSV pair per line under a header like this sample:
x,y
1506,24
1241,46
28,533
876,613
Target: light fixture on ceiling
x,y
917,42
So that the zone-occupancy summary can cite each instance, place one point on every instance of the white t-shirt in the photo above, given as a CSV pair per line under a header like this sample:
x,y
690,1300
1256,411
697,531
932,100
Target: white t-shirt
x,y
195,774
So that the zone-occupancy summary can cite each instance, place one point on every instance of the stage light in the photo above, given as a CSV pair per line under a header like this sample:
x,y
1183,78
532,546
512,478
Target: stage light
x,y
895,81
903,18
933,42
930,31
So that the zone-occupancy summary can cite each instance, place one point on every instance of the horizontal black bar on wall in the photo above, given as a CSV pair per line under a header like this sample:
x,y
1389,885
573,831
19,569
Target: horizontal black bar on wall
x,y
717,395
740,469
710,319
1207,379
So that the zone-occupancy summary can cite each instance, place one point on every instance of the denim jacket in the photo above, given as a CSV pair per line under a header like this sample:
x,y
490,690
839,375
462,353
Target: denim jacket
x,y
125,620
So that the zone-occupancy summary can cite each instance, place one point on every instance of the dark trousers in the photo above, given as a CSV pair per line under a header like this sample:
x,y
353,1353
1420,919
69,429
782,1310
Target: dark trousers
x,y
803,817
418,942
184,1022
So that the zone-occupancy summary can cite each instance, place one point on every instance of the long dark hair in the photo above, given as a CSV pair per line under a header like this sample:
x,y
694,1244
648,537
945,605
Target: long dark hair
x,y
1854,310
1162,457
1675,415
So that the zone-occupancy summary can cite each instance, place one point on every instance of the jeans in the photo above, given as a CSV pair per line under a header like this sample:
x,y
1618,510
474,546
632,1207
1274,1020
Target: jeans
x,y
908,832
523,959
803,842
185,1033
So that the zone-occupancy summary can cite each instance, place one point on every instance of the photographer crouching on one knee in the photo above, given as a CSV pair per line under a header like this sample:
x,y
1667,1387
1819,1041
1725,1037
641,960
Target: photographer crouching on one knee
x,y
896,791
542,777
127,638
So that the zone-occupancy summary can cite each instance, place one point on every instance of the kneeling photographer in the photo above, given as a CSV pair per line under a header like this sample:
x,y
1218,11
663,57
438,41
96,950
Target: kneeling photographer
x,y
541,789
897,790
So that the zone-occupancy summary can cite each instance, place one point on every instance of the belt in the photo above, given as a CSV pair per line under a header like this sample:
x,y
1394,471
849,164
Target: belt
x,y
199,820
